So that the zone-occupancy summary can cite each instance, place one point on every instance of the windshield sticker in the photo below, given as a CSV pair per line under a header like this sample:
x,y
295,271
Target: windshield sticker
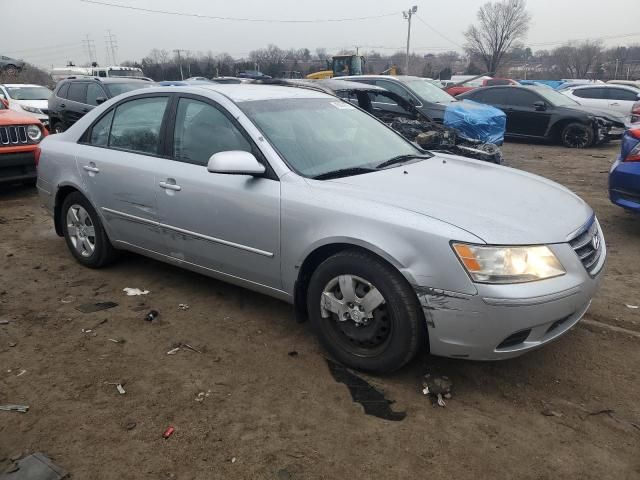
x,y
343,106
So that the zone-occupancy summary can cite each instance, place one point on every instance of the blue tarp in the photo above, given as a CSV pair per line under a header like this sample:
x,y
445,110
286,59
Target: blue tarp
x,y
476,121
555,84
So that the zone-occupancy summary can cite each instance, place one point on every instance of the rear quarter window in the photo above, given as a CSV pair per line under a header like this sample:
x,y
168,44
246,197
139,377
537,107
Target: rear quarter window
x,y
63,91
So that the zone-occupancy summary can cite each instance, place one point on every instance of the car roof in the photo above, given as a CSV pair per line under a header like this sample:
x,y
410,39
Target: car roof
x,y
399,78
604,85
21,85
246,92
88,78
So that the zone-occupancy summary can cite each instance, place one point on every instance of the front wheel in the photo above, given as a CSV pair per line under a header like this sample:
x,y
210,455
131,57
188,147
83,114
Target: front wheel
x,y
365,312
577,135
84,233
57,127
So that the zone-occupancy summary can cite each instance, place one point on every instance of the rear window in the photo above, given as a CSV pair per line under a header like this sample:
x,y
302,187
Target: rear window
x,y
116,89
78,92
63,91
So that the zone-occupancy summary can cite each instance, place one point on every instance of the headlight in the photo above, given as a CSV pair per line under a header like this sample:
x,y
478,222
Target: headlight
x,y
486,264
34,133
35,110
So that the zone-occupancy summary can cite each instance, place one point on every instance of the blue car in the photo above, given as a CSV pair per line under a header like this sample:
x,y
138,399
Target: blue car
x,y
624,177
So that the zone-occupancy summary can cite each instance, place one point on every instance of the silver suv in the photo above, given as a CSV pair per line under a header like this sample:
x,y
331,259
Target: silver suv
x,y
302,196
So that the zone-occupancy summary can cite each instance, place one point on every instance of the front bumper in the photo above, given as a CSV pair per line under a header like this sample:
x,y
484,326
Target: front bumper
x,y
505,321
17,167
624,185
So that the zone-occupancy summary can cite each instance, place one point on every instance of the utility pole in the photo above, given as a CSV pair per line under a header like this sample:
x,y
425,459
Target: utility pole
x,y
615,75
407,16
177,52
91,49
112,46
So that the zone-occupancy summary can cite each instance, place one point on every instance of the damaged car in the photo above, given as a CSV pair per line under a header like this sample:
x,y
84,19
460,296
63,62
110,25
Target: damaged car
x,y
388,249
544,114
476,137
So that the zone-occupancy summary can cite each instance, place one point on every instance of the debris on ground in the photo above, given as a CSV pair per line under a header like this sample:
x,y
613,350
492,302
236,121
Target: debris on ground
x,y
168,432
132,292
4,322
152,315
89,330
130,425
118,386
177,346
372,400
22,372
12,344
233,460
550,413
95,307
173,351
202,395
10,407
117,340
68,299
186,345
438,387
632,307
293,353
183,306
36,466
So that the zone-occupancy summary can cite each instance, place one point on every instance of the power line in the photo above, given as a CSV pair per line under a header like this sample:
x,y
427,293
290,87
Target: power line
x,y
111,45
90,45
239,19
440,34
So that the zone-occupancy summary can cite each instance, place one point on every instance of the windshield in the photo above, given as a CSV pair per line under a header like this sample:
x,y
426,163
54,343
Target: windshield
x,y
320,135
29,93
118,88
556,99
126,73
429,92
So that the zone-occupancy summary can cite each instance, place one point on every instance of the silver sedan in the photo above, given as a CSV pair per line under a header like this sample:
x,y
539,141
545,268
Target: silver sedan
x,y
386,248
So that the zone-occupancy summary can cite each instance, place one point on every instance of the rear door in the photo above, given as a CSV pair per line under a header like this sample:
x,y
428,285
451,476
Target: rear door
x,y
522,116
592,97
75,105
117,158
229,224
622,99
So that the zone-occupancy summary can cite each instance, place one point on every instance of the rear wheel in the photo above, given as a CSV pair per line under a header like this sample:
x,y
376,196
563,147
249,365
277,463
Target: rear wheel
x,y
365,312
84,234
577,135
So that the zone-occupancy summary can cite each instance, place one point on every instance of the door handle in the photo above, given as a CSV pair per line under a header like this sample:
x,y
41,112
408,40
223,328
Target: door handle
x,y
63,105
91,169
170,186
614,104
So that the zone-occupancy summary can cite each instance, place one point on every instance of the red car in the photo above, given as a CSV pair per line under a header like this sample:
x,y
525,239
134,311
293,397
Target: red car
x,y
19,138
456,90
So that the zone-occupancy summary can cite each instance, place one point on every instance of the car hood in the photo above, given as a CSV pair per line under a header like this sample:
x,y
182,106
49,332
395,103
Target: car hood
x,y
611,115
11,117
33,103
498,204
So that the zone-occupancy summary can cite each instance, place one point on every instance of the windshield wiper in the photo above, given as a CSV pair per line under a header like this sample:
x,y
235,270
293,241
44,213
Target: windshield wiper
x,y
400,159
343,172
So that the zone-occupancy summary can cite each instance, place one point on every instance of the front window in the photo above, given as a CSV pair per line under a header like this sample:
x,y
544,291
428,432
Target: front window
x,y
556,99
120,88
321,135
29,93
429,92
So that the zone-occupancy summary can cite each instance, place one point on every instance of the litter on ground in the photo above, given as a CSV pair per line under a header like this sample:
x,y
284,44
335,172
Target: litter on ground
x,y
132,292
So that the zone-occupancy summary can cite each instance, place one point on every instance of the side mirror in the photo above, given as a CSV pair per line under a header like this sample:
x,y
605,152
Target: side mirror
x,y
101,100
4,102
235,162
540,106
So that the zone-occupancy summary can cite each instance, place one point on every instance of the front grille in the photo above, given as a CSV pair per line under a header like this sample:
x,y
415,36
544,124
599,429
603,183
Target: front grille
x,y
13,135
588,246
515,339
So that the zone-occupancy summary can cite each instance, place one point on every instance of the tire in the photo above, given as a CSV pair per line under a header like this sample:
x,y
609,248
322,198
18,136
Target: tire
x,y
394,331
93,251
577,135
56,127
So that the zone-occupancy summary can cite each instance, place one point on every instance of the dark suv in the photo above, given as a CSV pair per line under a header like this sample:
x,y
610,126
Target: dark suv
x,y
75,96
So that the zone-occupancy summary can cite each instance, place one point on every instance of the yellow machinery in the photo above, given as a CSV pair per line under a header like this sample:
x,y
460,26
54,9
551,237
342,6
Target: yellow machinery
x,y
340,66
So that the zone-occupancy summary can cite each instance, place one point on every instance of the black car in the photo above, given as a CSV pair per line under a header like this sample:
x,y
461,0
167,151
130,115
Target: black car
x,y
75,96
543,113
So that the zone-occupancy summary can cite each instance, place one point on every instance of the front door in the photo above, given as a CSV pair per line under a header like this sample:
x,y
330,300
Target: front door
x,y
522,116
117,163
229,224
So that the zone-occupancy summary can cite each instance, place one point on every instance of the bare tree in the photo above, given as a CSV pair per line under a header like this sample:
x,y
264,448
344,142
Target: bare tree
x,y
578,60
501,24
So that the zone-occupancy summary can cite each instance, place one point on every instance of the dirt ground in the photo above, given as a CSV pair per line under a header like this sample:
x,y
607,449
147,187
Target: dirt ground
x,y
266,414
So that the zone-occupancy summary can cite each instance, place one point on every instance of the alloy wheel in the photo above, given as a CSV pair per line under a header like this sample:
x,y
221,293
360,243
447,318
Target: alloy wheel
x,y
81,230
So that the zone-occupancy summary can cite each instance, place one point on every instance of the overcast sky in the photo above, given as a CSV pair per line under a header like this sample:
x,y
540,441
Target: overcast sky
x,y
50,32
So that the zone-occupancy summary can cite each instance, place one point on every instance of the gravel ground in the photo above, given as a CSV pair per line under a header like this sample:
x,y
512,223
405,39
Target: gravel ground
x,y
267,414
